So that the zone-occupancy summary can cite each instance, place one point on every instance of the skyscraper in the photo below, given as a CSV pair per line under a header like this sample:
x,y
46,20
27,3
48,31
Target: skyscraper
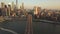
x,y
37,11
22,5
22,8
9,9
13,5
5,10
2,5
16,4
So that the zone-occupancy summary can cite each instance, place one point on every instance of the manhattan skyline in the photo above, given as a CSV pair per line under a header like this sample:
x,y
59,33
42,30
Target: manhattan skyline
x,y
50,4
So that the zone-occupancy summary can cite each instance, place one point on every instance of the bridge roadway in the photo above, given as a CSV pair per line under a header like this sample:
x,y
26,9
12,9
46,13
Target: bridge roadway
x,y
29,28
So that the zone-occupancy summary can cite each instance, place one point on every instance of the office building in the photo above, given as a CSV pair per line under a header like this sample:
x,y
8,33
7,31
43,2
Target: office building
x,y
2,5
37,11
12,6
22,5
16,4
9,9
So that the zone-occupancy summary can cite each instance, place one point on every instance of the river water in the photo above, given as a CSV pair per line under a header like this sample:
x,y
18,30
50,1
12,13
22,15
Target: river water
x,y
16,25
19,26
45,28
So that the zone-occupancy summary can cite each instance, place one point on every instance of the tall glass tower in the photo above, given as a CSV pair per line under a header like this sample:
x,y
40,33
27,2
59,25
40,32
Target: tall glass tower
x,y
16,3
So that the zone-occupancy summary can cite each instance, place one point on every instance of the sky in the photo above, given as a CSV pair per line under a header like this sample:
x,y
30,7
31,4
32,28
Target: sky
x,y
50,4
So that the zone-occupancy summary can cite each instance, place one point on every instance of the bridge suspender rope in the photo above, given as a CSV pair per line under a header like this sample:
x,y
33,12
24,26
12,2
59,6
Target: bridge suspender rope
x,y
29,29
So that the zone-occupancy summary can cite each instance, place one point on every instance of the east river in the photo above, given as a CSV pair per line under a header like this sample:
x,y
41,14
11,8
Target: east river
x,y
18,26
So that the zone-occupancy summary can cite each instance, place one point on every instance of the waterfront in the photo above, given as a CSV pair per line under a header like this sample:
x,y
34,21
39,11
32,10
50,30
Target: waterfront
x,y
18,25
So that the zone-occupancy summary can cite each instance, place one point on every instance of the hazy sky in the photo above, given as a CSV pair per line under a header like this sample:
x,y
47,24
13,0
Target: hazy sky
x,y
53,4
